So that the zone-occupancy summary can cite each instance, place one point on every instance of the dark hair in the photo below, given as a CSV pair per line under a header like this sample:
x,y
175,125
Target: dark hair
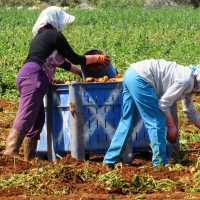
x,y
47,26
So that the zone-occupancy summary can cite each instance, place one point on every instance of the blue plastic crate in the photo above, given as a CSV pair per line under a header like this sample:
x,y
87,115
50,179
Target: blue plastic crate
x,y
42,148
55,137
140,137
90,131
99,105
61,119
98,112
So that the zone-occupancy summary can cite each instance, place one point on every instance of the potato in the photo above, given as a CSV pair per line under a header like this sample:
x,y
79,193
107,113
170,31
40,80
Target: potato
x,y
90,79
119,76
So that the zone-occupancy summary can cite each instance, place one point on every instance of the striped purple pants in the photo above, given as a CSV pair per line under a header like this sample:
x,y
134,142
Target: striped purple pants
x,y
32,84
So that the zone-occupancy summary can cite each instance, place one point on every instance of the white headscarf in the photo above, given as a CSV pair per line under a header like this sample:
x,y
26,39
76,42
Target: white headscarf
x,y
54,16
196,72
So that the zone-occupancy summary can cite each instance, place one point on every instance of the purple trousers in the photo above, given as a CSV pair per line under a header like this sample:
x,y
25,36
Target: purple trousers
x,y
32,84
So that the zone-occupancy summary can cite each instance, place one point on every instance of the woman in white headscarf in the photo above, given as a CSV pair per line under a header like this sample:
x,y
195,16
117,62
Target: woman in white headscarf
x,y
49,49
151,87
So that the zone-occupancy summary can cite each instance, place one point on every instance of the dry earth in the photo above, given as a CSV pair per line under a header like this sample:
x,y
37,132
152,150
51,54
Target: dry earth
x,y
72,176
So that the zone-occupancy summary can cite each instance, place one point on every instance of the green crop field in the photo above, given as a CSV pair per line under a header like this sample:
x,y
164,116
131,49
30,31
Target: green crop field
x,y
126,35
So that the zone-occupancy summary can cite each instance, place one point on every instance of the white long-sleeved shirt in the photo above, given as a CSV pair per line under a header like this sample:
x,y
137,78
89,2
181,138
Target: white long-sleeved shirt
x,y
171,82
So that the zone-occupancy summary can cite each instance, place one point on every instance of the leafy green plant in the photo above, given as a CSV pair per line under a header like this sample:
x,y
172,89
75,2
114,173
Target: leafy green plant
x,y
128,37
112,179
85,174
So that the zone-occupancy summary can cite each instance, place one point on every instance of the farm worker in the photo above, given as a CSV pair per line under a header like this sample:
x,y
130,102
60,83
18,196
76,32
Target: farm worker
x,y
49,49
151,87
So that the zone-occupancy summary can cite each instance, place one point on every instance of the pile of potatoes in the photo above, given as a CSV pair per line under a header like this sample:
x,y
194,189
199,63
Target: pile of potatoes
x,y
118,78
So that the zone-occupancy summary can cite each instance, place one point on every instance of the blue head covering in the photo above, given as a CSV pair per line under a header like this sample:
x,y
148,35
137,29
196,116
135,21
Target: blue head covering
x,y
196,72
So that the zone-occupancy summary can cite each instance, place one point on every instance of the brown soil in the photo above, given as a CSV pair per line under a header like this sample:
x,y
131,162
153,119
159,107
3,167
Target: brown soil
x,y
79,187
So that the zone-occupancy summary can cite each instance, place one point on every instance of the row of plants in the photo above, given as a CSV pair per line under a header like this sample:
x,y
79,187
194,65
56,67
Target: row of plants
x,y
99,3
72,3
126,35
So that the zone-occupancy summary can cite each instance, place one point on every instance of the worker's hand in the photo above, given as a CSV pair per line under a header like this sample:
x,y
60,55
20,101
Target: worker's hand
x,y
97,58
100,52
171,130
197,124
103,59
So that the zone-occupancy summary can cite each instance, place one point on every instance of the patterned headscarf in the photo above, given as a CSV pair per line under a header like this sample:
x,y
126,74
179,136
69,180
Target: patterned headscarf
x,y
196,72
54,16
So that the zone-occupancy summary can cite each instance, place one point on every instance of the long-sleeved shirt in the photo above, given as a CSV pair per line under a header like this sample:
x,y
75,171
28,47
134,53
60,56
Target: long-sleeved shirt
x,y
46,42
171,82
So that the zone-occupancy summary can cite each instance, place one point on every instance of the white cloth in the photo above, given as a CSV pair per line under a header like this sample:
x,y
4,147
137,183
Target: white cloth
x,y
171,82
54,16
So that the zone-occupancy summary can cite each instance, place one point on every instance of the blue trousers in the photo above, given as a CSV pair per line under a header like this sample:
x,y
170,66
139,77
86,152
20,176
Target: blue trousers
x,y
139,96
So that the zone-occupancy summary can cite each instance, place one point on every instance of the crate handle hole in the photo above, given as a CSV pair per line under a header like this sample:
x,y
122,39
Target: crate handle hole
x,y
97,123
113,122
113,98
89,138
